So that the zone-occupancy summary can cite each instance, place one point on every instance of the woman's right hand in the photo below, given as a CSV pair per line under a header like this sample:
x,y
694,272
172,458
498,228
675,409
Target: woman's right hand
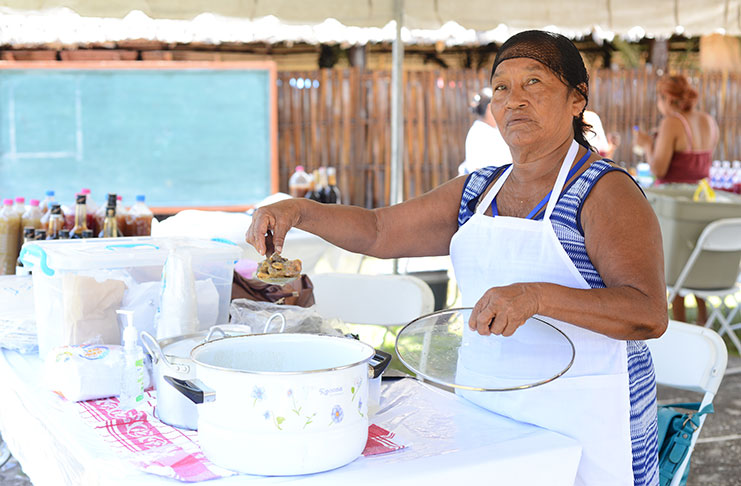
x,y
270,225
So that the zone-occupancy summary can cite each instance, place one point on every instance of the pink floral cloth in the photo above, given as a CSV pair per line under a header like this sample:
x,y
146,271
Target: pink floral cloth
x,y
163,450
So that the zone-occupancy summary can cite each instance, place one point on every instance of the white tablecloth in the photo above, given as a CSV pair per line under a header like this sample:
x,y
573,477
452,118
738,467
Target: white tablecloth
x,y
449,441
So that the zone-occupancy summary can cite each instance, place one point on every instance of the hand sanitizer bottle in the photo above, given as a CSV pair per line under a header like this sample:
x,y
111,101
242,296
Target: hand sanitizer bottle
x,y
132,376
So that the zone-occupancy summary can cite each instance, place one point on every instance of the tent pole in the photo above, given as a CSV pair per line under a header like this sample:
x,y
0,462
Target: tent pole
x,y
397,114
397,109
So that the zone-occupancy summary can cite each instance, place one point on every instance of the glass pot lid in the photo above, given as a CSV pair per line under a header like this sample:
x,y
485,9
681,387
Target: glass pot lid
x,y
442,349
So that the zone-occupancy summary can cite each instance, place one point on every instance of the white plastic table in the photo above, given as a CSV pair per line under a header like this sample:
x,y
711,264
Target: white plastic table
x,y
450,441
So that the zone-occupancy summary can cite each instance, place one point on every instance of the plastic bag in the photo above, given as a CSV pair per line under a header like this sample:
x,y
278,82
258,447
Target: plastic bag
x,y
18,320
298,319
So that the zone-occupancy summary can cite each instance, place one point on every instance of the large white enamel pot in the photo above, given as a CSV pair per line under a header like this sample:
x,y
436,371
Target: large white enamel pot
x,y
282,404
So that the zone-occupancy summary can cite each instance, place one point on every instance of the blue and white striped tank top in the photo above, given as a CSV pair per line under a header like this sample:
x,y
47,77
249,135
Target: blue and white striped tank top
x,y
566,221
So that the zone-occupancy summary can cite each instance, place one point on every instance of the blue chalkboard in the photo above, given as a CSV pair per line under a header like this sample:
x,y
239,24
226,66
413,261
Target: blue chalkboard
x,y
183,137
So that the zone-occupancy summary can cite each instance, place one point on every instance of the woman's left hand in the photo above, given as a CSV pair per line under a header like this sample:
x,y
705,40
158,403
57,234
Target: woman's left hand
x,y
642,138
501,310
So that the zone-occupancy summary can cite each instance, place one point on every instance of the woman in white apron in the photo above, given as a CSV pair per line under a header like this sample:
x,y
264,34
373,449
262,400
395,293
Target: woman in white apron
x,y
558,233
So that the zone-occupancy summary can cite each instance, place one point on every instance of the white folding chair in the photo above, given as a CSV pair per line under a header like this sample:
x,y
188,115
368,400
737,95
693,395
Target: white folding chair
x,y
692,358
385,300
723,235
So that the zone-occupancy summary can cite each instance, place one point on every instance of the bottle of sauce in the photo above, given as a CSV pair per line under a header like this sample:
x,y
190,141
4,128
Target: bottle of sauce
x,y
29,234
56,222
315,194
44,206
121,214
10,227
20,205
92,207
32,216
68,214
331,191
80,217
110,224
139,219
323,183
99,218
300,182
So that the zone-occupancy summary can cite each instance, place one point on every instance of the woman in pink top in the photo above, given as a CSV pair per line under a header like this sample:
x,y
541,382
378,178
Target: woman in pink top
x,y
681,150
683,146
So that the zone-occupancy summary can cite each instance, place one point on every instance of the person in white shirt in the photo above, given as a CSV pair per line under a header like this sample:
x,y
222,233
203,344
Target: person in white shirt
x,y
484,144
605,144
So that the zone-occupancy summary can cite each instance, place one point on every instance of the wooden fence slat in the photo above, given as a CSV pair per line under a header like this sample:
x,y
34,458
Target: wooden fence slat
x,y
345,122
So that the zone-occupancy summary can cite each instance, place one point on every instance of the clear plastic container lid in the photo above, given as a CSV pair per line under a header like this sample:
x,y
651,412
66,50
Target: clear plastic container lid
x,y
109,253
441,348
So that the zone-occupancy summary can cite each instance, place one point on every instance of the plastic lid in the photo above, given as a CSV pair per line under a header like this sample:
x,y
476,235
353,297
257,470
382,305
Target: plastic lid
x,y
299,168
50,193
21,200
8,202
34,202
85,191
119,198
140,198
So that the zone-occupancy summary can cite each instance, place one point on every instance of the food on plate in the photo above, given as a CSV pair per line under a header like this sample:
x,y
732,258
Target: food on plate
x,y
277,269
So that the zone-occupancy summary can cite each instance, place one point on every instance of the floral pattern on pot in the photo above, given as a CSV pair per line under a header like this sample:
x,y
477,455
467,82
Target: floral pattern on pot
x,y
337,415
258,393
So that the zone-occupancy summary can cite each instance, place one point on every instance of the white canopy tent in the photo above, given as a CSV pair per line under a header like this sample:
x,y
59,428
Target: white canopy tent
x,y
632,18
656,17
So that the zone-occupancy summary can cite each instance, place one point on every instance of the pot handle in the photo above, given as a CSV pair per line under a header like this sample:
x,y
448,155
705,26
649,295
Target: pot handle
x,y
212,331
194,390
153,348
270,319
378,363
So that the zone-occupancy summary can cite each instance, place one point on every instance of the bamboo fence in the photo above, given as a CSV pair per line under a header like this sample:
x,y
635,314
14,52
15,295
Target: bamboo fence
x,y
341,118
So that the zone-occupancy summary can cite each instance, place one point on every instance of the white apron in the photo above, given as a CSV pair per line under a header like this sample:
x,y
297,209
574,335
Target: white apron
x,y
591,402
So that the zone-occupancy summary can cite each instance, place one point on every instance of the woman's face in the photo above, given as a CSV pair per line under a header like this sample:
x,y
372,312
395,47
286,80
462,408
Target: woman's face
x,y
532,105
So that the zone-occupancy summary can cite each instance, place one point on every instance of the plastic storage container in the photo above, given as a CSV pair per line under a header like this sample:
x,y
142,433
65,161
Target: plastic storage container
x,y
682,220
79,284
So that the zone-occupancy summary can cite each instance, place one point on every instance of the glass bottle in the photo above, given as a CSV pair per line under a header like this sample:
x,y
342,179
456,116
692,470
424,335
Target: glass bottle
x,y
40,234
87,234
323,183
64,234
80,216
92,207
110,225
29,234
331,191
100,215
56,222
315,194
